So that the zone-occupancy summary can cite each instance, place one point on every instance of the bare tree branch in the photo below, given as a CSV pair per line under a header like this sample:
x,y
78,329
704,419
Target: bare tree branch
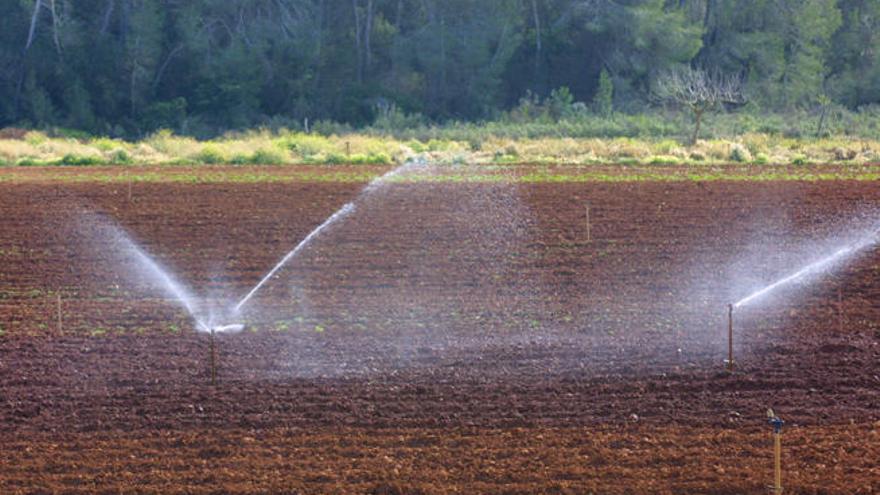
x,y
699,90
55,24
33,29
108,14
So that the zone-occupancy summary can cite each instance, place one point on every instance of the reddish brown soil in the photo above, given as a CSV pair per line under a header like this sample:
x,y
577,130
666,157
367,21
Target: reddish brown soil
x,y
445,338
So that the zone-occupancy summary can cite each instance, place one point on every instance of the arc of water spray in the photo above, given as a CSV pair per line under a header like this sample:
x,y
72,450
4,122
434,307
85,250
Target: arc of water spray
x,y
815,267
344,211
182,295
170,285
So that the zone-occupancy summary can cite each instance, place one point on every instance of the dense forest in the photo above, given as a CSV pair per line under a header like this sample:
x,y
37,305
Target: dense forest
x,y
129,67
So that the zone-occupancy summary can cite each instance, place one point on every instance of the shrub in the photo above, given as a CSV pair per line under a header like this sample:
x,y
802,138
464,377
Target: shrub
x,y
77,160
210,155
239,159
13,133
267,157
393,118
368,159
29,161
416,146
335,159
35,138
663,160
560,103
603,101
843,154
106,144
120,156
740,153
306,145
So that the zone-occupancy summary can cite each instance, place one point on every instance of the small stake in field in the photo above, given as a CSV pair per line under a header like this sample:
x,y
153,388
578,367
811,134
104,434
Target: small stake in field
x,y
777,423
589,226
129,190
213,360
729,361
60,326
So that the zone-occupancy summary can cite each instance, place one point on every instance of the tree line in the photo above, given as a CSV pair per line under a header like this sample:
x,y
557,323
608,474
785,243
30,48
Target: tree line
x,y
129,67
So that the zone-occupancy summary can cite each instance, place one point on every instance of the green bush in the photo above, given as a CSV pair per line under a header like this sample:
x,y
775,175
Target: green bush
x,y
370,159
603,101
416,146
78,161
393,118
335,159
209,155
120,156
560,103
664,160
30,161
267,157
740,153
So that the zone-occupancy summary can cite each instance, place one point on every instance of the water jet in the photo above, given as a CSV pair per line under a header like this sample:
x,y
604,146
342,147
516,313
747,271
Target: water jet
x,y
824,264
344,211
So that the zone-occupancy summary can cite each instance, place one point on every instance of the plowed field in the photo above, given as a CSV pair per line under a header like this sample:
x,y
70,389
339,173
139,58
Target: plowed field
x,y
446,337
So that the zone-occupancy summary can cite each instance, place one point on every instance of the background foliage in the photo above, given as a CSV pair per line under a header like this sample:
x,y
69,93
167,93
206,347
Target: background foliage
x,y
124,68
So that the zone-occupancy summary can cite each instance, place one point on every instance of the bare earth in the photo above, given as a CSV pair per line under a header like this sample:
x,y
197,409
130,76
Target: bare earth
x,y
444,338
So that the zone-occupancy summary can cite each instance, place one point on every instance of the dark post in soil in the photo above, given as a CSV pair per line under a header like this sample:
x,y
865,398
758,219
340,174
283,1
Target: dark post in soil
x,y
589,225
730,338
213,360
59,313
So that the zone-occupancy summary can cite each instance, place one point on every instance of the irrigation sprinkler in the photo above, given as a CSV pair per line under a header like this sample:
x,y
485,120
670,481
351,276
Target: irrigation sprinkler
x,y
214,330
729,360
776,423
819,266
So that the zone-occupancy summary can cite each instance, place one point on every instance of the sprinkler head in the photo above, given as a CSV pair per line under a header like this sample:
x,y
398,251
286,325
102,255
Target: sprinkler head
x,y
775,421
234,328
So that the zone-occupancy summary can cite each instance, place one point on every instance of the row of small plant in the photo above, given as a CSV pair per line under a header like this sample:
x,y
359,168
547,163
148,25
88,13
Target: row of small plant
x,y
259,147
289,147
